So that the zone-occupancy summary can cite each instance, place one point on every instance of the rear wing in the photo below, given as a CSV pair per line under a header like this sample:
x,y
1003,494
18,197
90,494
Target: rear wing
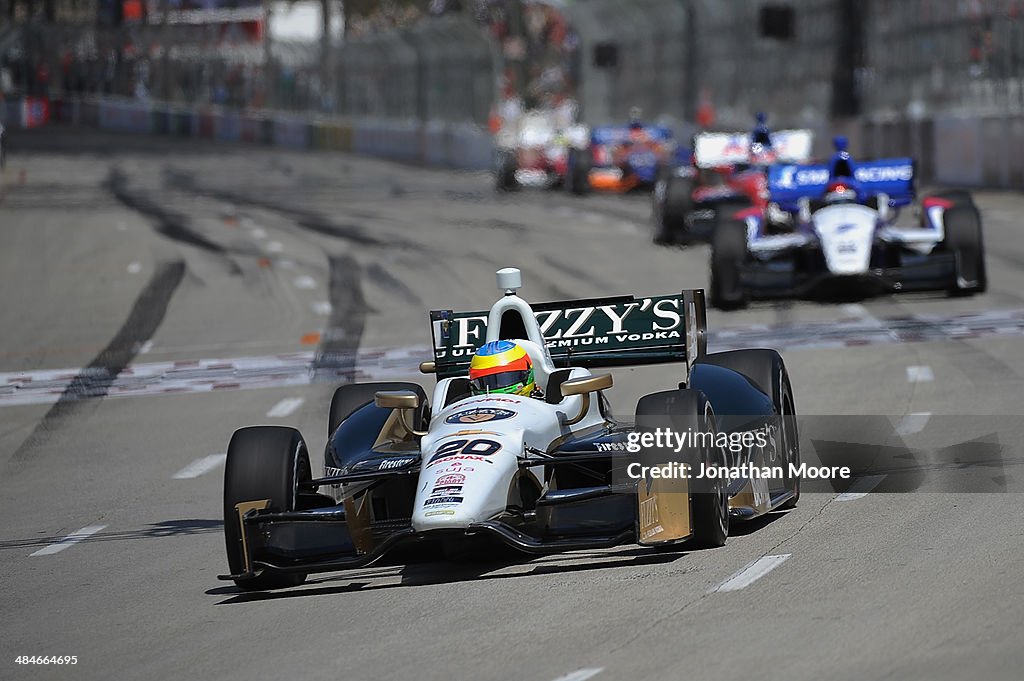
x,y
787,184
716,149
617,134
599,332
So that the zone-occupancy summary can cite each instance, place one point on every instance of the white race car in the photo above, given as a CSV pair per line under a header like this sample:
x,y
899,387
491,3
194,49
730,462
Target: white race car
x,y
541,474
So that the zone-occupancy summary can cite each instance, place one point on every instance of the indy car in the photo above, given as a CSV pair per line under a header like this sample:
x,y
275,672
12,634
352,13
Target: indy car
x,y
536,474
534,152
727,171
622,158
844,236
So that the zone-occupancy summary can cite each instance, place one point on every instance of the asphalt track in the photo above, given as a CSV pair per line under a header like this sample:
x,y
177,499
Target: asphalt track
x,y
157,295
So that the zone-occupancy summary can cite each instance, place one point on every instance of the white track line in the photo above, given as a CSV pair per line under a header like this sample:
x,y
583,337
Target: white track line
x,y
854,310
258,233
920,374
321,307
305,282
285,407
69,540
200,466
913,423
275,247
134,267
752,572
861,487
146,347
581,674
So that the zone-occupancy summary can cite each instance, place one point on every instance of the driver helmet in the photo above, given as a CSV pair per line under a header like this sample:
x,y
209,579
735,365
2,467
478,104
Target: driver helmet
x,y
840,191
501,367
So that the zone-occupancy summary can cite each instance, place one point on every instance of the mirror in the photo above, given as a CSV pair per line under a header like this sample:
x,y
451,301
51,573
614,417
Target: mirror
x,y
584,386
587,384
397,399
403,401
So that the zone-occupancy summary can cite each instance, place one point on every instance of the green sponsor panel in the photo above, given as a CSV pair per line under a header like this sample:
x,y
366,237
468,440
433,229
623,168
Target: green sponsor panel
x,y
600,332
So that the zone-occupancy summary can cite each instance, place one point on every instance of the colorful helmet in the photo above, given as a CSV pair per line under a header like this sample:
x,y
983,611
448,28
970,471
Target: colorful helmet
x,y
501,367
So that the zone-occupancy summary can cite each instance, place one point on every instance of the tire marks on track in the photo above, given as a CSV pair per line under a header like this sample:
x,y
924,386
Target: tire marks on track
x,y
170,224
95,379
336,356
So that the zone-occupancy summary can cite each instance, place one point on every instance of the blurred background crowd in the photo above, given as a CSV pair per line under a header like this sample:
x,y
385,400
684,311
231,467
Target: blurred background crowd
x,y
475,60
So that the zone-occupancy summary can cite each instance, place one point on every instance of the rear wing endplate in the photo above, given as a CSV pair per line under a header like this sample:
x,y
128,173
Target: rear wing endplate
x,y
599,332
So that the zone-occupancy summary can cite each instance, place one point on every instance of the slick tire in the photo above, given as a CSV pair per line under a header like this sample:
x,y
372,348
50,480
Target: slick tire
x,y
264,462
962,225
673,203
505,171
728,253
690,409
578,179
350,397
767,371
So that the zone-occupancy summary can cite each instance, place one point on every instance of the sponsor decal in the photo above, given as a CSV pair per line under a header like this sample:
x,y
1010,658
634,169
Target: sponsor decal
x,y
442,500
611,446
652,321
485,400
456,467
458,457
902,173
387,464
430,513
331,471
463,433
480,415
471,450
450,479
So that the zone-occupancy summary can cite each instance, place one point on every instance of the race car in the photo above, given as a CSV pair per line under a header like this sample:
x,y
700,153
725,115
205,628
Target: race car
x,y
728,170
534,152
622,158
540,472
845,237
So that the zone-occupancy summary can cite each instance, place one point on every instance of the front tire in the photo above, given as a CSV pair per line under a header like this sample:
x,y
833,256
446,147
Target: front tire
x,y
728,253
577,180
766,369
682,410
263,462
962,224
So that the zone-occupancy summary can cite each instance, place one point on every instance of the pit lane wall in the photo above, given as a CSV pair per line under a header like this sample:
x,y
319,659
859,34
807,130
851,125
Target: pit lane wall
x,y
446,144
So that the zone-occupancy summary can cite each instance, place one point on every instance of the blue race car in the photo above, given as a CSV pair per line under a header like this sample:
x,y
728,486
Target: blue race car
x,y
842,234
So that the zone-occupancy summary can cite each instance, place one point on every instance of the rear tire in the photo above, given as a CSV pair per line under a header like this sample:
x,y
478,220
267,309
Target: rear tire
x,y
350,397
728,253
673,203
767,371
505,170
690,409
962,225
263,462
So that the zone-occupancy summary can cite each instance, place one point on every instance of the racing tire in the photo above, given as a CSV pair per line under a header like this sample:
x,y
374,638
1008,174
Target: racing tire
x,y
505,171
681,410
577,179
766,369
962,224
351,397
673,203
263,462
728,253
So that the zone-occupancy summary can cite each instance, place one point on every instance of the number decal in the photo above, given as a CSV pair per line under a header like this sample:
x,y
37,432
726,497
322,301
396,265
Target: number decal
x,y
477,449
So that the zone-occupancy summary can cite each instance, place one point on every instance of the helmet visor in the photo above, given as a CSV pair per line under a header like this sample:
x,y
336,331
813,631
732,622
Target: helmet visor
x,y
504,382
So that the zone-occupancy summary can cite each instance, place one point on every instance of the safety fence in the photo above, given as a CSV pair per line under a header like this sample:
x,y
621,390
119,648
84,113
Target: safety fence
x,y
438,143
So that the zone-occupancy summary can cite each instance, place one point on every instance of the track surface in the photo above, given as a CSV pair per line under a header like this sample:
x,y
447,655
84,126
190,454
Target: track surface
x,y
112,261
